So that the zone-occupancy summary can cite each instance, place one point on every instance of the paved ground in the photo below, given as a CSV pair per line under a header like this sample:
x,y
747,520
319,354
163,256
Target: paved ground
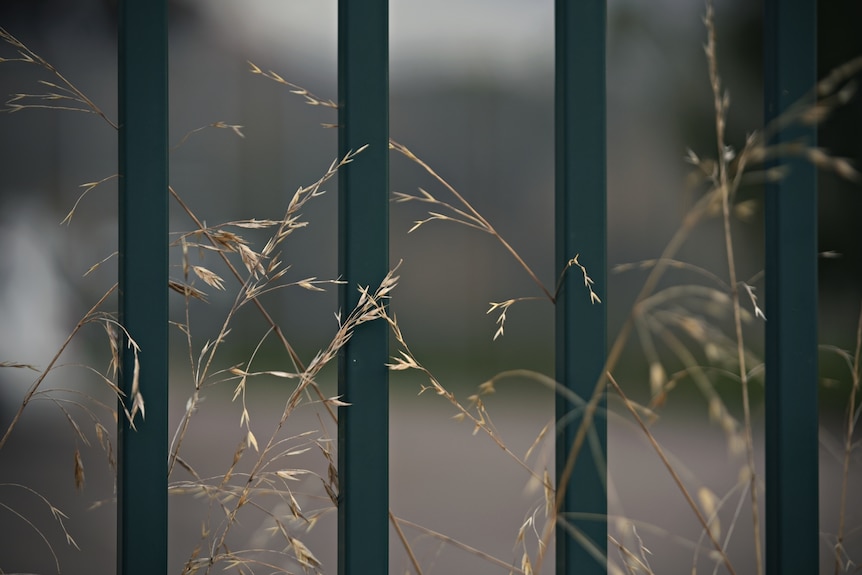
x,y
442,477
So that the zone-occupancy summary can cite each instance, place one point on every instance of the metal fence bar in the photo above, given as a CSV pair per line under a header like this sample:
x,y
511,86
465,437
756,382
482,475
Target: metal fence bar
x,y
580,215
142,487
363,219
790,71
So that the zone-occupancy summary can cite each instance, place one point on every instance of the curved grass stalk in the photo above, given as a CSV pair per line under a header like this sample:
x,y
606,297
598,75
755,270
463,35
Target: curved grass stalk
x,y
695,509
463,546
721,102
70,91
37,384
472,215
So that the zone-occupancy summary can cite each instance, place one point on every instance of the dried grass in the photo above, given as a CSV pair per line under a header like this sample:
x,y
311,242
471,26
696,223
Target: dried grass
x,y
262,481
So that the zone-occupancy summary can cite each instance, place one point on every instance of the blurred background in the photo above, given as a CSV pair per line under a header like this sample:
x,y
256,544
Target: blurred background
x,y
472,95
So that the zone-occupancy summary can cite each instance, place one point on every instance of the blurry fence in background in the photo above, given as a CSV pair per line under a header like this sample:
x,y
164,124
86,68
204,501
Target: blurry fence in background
x,y
363,60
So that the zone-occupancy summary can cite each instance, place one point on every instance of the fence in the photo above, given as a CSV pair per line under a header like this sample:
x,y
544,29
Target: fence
x,y
791,473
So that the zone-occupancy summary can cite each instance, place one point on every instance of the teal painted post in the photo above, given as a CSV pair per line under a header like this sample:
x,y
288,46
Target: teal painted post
x,y
142,488
581,333
363,220
790,72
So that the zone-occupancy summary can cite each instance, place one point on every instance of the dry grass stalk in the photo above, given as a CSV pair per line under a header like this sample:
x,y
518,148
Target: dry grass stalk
x,y
235,128
396,524
69,96
89,186
841,560
722,101
476,414
91,316
630,560
703,521
310,98
463,546
58,516
580,537
467,216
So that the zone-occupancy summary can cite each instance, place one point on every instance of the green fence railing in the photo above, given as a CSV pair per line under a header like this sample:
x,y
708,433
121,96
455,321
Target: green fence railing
x,y
580,228
792,497
142,482
790,72
363,220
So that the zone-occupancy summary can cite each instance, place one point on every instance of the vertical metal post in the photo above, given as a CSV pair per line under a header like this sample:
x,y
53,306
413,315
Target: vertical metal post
x,y
363,219
581,332
142,488
790,71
